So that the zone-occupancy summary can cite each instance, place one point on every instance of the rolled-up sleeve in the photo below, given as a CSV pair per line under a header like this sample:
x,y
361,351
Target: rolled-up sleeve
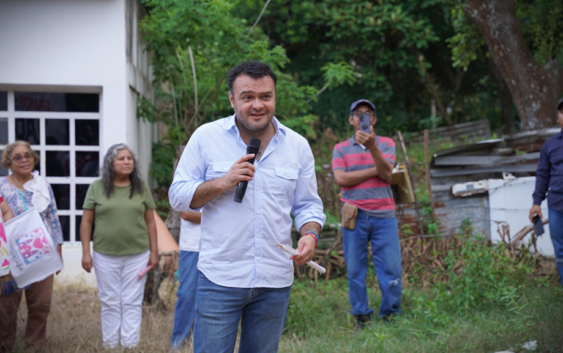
x,y
307,205
190,173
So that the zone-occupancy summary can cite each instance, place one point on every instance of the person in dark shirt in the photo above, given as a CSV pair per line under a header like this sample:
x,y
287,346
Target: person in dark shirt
x,y
549,177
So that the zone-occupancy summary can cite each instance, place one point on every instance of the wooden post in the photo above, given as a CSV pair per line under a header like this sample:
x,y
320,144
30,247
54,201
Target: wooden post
x,y
427,167
407,163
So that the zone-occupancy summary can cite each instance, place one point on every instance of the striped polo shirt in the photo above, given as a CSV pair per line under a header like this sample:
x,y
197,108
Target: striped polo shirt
x,y
374,195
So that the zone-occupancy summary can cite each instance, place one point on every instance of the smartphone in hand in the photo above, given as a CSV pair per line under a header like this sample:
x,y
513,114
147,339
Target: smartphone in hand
x,y
538,225
365,123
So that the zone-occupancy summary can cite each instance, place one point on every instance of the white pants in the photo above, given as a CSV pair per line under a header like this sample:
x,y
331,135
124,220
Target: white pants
x,y
121,295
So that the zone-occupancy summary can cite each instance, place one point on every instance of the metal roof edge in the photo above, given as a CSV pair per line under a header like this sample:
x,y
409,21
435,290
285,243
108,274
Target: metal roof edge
x,y
467,148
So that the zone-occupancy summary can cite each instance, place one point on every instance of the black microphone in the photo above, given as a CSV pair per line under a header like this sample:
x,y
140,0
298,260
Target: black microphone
x,y
252,148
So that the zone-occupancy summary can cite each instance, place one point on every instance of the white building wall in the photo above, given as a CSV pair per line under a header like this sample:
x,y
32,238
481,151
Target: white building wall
x,y
139,76
69,44
80,46
510,201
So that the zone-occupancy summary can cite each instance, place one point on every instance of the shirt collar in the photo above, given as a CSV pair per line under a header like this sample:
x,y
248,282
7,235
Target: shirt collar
x,y
560,134
353,142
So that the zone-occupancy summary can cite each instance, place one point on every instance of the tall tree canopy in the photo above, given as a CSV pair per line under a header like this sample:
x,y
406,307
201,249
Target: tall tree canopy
x,y
405,53
535,89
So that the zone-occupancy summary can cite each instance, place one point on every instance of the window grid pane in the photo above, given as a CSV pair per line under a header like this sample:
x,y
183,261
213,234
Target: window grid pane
x,y
28,130
3,101
81,190
87,132
57,163
62,195
57,132
87,164
65,225
57,102
3,131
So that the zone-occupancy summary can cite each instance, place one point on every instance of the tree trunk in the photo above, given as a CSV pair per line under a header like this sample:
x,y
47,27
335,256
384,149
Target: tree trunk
x,y
504,96
534,89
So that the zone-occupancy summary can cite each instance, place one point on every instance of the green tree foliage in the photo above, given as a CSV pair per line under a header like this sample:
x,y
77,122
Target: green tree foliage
x,y
194,44
541,22
382,41
467,42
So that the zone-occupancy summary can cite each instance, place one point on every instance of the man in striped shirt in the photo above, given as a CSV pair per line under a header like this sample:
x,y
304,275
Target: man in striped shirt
x,y
362,167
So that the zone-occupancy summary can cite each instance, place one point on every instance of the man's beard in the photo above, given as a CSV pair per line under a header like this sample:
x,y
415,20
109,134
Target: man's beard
x,y
250,128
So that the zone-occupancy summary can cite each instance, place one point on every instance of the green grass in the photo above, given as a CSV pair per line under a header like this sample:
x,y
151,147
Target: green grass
x,y
318,321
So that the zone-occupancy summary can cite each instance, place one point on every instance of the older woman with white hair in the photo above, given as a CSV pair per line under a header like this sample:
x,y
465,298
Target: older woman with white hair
x,y
121,206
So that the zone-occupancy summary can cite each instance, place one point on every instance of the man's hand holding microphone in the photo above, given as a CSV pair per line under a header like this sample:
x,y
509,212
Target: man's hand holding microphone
x,y
241,170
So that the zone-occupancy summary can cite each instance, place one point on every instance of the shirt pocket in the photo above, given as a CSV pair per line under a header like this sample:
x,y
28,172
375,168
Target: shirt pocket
x,y
285,181
218,169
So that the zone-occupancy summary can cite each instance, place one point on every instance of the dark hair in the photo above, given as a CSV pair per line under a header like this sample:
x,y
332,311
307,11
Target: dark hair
x,y
253,68
108,172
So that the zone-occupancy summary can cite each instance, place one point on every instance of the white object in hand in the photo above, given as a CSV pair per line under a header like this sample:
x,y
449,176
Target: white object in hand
x,y
294,252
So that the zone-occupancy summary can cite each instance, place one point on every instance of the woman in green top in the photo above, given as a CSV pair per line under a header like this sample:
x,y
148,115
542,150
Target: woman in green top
x,y
121,206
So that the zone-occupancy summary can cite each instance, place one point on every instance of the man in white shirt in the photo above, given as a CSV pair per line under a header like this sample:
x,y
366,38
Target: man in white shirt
x,y
184,314
244,277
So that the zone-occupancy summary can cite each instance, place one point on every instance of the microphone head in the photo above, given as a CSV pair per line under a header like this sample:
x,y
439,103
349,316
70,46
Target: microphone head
x,y
253,145
254,142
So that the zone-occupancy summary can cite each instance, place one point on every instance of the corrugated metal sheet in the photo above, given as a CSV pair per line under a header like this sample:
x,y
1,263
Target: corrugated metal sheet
x,y
451,212
515,153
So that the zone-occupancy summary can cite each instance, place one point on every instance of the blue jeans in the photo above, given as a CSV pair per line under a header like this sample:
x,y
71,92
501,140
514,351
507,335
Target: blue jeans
x,y
185,305
556,232
386,252
261,311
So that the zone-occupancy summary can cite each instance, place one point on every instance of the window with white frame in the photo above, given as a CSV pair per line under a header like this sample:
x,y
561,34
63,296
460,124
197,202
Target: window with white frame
x,y
64,128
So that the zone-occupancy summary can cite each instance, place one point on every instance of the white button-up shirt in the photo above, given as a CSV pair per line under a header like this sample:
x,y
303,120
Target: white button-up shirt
x,y
238,240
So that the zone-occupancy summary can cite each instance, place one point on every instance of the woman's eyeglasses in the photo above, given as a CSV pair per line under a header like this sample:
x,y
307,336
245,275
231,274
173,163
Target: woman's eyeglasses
x,y
20,158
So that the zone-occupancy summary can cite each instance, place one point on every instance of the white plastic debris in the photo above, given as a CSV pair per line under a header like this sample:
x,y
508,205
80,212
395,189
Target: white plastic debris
x,y
531,346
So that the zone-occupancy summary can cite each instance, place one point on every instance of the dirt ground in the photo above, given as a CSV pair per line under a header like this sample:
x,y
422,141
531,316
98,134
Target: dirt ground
x,y
75,325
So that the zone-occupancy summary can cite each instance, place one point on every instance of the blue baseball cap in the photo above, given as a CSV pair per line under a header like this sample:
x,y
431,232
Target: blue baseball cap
x,y
358,102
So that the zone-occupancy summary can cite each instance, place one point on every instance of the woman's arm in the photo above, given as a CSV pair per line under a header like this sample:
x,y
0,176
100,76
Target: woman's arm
x,y
7,213
85,237
151,227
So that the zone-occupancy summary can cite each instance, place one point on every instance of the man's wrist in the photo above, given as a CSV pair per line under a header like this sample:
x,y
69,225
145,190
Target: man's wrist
x,y
313,235
223,183
373,147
